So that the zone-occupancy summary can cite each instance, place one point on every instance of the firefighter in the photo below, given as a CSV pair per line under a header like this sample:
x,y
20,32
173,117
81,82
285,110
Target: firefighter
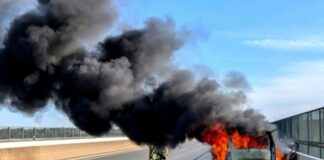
x,y
158,153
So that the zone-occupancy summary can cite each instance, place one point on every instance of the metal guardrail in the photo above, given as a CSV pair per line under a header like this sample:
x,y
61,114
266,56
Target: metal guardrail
x,y
307,129
35,133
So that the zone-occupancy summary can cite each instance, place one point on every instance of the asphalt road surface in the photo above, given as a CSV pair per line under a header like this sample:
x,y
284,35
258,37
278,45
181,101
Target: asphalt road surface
x,y
192,150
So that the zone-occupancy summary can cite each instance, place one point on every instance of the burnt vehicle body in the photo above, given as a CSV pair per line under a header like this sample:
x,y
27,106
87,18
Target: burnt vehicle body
x,y
265,153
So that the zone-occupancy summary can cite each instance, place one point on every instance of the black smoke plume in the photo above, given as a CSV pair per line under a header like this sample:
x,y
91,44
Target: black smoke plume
x,y
8,10
128,80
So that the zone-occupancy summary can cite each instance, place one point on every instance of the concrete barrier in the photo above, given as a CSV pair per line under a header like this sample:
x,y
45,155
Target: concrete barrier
x,y
64,149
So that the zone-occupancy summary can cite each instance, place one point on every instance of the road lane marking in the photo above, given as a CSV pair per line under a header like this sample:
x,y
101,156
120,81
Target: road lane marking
x,y
202,155
107,154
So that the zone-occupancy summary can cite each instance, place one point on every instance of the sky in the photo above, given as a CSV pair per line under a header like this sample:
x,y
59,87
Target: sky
x,y
278,46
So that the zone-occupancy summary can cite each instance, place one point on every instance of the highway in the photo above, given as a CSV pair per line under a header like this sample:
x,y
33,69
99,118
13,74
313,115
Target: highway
x,y
191,150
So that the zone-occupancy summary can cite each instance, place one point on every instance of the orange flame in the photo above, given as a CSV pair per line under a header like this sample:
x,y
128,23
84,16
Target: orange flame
x,y
280,155
218,137
246,141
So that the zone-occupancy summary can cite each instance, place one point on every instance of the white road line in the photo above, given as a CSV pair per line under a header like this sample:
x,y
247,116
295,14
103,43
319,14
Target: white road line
x,y
107,154
202,155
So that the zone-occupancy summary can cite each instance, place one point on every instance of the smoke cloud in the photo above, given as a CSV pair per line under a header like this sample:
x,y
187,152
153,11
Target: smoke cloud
x,y
128,80
8,10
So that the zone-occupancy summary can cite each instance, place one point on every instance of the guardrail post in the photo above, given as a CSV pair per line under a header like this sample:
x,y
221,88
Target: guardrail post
x,y
22,133
9,133
63,132
55,134
45,133
34,133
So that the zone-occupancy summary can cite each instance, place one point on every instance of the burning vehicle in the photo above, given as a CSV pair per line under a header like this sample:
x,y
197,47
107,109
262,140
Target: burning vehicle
x,y
264,151
235,146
